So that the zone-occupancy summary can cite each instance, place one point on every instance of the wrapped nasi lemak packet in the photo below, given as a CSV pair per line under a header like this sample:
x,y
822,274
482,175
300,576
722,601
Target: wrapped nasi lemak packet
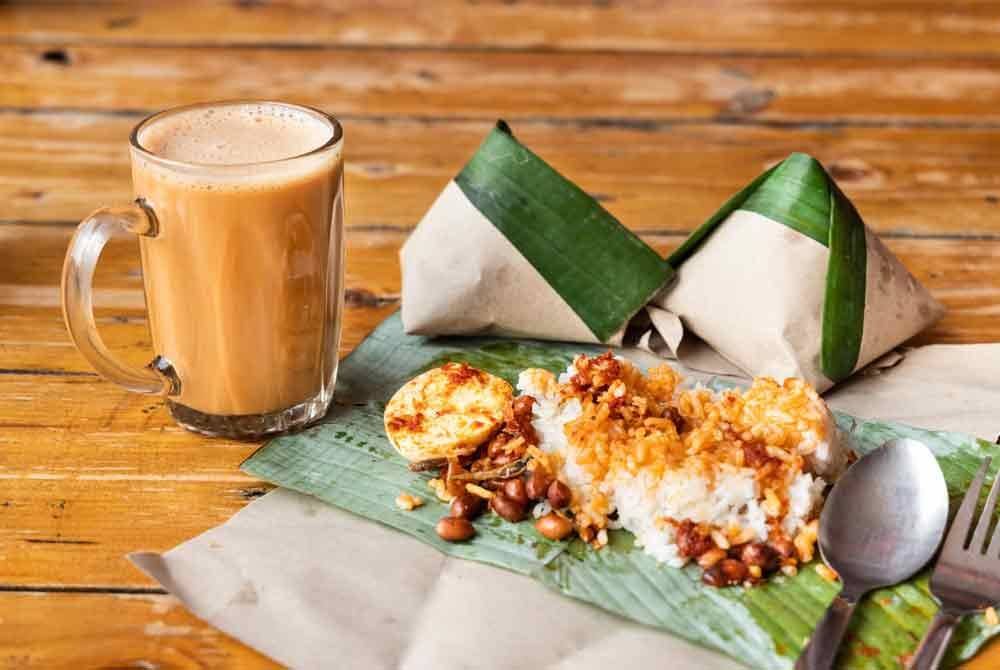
x,y
786,280
511,247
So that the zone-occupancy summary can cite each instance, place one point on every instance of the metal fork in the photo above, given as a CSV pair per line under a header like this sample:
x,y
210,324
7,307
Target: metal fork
x,y
965,578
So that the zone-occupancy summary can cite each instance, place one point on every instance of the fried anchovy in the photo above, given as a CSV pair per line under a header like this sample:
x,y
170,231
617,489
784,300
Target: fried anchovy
x,y
512,469
429,464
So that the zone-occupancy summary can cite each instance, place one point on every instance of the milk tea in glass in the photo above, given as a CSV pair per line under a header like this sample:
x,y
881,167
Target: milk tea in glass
x,y
239,214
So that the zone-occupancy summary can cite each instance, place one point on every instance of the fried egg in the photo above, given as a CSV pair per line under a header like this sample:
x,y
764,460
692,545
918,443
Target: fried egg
x,y
446,412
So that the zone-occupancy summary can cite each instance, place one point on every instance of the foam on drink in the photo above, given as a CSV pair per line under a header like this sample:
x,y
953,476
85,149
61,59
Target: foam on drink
x,y
237,134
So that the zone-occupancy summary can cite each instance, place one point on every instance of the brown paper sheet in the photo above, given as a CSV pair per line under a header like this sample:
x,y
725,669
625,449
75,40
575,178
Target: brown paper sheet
x,y
315,587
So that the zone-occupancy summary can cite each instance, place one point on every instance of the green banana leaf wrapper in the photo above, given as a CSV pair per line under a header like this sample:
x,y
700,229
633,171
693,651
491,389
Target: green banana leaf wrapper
x,y
348,462
511,247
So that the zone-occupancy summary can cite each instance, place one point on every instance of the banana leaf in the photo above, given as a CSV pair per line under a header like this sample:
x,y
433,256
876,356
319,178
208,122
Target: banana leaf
x,y
600,268
348,462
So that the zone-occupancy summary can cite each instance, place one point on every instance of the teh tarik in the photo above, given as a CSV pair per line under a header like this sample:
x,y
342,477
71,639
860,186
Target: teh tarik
x,y
243,275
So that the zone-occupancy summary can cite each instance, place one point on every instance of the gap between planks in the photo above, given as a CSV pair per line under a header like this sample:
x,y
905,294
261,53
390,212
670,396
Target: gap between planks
x,y
644,232
103,590
535,49
640,124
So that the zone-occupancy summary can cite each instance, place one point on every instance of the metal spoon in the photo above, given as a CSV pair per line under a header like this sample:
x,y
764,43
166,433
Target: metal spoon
x,y
881,523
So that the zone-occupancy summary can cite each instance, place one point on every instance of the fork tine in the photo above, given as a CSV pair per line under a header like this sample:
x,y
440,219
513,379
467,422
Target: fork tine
x,y
955,542
994,548
979,537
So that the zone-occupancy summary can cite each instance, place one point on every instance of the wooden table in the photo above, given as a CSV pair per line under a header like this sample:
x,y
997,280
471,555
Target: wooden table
x,y
659,112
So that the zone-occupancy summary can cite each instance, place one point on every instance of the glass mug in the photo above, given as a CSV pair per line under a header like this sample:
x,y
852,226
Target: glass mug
x,y
239,215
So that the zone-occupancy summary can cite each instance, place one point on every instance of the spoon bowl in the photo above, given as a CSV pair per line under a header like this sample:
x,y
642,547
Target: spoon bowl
x,y
882,522
886,516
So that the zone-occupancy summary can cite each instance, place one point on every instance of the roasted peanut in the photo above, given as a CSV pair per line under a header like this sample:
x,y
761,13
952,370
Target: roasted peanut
x,y
725,573
760,555
515,490
454,529
734,571
713,576
677,418
783,546
537,486
467,506
554,526
692,539
559,495
511,510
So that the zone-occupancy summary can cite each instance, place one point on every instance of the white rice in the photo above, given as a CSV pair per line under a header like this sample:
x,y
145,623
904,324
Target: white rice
x,y
642,504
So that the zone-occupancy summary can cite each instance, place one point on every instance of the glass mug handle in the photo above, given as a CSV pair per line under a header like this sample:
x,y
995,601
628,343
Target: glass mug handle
x,y
158,378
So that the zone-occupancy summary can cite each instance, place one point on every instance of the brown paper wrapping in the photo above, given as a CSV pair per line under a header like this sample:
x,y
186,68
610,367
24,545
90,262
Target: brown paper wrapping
x,y
461,276
754,292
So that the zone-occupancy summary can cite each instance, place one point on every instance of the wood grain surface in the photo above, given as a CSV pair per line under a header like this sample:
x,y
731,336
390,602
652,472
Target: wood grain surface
x,y
904,27
660,110
123,630
590,85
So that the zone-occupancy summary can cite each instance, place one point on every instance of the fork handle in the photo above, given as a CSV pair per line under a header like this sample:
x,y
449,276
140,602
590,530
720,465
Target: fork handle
x,y
935,643
821,651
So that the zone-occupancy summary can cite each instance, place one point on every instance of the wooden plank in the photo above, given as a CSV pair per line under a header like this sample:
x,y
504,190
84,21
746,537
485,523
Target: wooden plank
x,y
74,630
515,85
147,631
927,181
75,499
77,530
758,26
964,276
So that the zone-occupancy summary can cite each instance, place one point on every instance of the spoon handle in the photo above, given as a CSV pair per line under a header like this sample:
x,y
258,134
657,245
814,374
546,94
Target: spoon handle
x,y
821,651
931,650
